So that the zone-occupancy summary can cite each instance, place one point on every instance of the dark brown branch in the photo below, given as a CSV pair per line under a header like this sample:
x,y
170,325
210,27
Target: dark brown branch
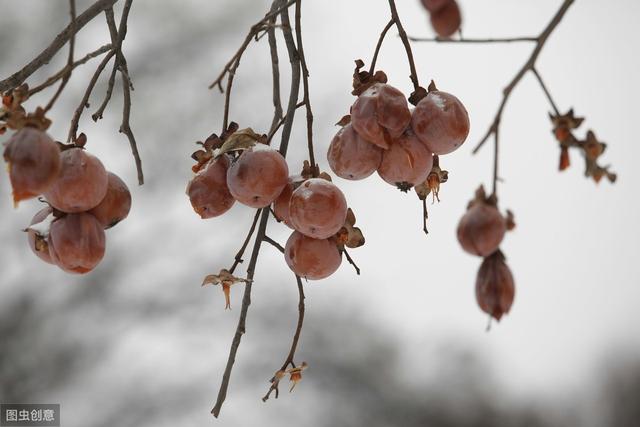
x,y
241,328
425,216
528,66
405,42
238,258
545,90
496,138
64,71
126,127
61,39
294,344
275,72
85,98
113,31
479,40
372,68
253,33
69,67
305,86
294,59
280,123
273,243
351,261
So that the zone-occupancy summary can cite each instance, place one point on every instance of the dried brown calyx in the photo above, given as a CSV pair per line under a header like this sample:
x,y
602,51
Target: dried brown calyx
x,y
592,148
226,279
14,116
349,235
431,185
363,80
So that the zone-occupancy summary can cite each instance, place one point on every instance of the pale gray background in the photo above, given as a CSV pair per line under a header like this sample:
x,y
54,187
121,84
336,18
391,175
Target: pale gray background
x,y
138,342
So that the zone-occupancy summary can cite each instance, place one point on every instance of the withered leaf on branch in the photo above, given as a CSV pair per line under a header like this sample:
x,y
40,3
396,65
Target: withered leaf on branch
x,y
241,140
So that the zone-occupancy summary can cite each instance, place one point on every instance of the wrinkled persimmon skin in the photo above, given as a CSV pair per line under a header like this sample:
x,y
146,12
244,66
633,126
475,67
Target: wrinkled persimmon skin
x,y
481,229
446,20
378,109
351,157
313,259
281,204
115,205
33,160
407,162
43,253
258,176
76,242
317,208
81,184
441,122
435,5
208,190
495,288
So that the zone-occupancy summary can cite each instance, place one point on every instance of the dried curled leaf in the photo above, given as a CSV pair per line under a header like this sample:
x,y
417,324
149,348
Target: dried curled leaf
x,y
226,279
212,143
241,140
362,80
345,120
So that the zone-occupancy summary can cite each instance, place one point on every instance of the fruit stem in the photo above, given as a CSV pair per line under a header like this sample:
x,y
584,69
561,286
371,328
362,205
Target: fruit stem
x,y
405,42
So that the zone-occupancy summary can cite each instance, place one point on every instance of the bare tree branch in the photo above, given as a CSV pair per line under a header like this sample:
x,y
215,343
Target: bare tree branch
x,y
61,39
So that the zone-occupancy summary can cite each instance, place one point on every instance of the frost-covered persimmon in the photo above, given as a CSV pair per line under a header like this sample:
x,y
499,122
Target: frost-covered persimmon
x,y
258,176
407,163
446,20
380,114
115,205
33,162
81,184
351,156
208,191
317,208
77,242
441,122
313,259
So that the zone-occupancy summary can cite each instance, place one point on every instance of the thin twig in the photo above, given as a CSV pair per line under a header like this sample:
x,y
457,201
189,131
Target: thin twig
x,y
281,122
240,253
72,43
528,66
273,243
61,39
275,72
425,216
64,71
253,33
241,328
405,42
372,68
496,137
84,103
305,86
477,40
294,59
545,90
351,261
294,344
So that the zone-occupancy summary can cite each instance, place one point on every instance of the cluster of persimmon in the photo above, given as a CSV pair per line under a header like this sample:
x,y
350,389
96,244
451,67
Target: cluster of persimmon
x,y
445,16
83,198
240,166
590,146
403,145
480,232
